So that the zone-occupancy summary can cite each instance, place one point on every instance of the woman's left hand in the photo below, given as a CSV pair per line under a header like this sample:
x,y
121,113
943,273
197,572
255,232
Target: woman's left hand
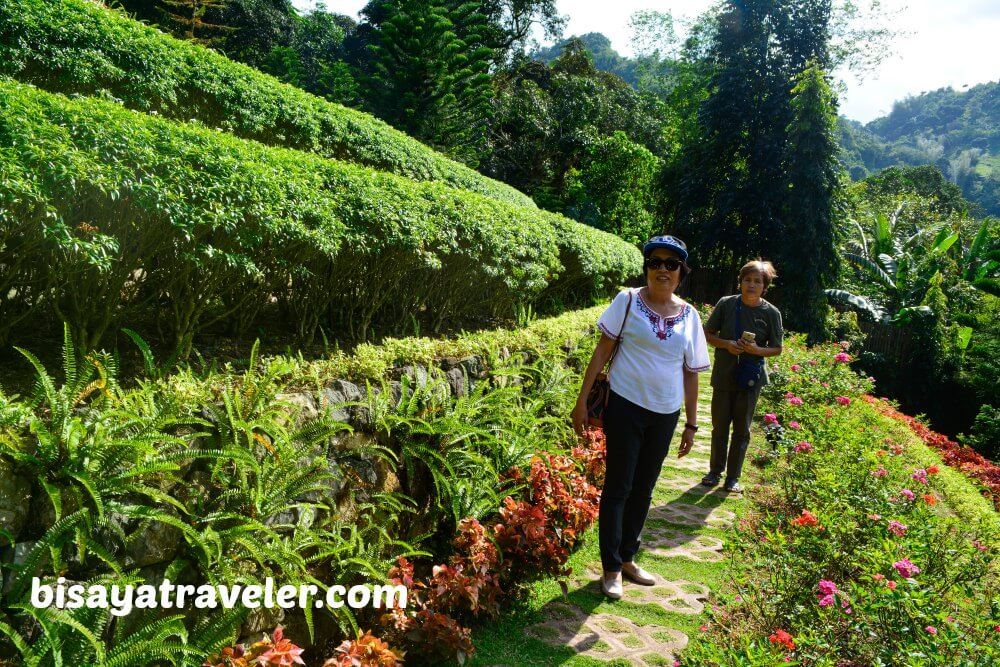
x,y
687,442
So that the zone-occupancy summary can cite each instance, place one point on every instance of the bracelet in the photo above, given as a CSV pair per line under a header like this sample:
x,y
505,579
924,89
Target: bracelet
x,y
691,426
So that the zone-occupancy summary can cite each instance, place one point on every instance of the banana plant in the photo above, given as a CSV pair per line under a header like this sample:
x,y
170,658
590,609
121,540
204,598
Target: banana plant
x,y
981,261
901,267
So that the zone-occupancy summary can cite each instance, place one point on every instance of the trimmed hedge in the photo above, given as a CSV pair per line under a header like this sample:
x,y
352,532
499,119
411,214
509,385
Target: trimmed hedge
x,y
108,216
77,47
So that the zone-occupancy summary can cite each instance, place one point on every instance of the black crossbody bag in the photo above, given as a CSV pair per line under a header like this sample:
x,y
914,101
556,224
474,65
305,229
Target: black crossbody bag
x,y
747,372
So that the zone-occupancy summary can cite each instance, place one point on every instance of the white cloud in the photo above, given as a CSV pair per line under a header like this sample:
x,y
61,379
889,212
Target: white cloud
x,y
951,43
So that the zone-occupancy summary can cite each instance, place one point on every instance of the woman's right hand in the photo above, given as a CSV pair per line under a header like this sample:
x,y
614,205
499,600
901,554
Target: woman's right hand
x,y
579,416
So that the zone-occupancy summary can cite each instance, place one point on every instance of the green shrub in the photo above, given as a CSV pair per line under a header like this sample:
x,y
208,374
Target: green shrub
x,y
78,47
984,436
108,216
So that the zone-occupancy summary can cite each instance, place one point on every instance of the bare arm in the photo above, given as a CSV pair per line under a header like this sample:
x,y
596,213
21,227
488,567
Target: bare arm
x,y
690,411
602,352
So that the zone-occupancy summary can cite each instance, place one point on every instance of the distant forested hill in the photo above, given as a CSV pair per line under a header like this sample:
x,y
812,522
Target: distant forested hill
x,y
605,58
959,132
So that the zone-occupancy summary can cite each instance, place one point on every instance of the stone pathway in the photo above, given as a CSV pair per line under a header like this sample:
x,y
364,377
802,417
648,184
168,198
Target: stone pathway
x,y
682,545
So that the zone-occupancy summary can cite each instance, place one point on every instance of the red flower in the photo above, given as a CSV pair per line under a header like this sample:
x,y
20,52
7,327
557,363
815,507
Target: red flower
x,y
930,499
807,518
783,638
933,470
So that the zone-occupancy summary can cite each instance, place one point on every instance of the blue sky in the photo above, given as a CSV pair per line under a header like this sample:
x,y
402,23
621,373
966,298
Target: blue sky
x,y
946,43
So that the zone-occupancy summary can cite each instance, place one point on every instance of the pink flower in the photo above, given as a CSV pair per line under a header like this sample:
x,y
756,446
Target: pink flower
x,y
794,425
770,418
891,585
906,568
880,472
795,400
826,600
703,628
931,630
677,663
812,362
878,577
896,528
875,517
803,447
979,545
843,400
827,587
907,493
950,619
796,368
844,345
842,357
738,598
826,385
920,475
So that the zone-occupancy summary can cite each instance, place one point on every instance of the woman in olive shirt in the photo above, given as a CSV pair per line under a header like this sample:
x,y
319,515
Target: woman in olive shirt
x,y
731,405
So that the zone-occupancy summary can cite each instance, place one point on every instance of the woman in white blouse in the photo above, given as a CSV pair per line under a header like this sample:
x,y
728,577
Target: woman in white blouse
x,y
655,371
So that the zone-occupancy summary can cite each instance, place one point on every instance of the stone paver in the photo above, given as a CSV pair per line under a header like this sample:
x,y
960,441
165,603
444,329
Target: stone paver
x,y
674,543
692,515
682,596
689,463
607,636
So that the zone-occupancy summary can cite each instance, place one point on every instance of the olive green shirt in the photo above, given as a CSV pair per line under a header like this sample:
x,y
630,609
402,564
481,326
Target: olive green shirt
x,y
764,320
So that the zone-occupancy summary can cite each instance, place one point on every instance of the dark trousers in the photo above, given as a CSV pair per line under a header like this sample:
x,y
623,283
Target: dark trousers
x,y
731,408
637,441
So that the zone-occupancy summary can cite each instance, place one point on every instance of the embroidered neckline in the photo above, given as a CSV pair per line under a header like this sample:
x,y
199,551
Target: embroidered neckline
x,y
663,327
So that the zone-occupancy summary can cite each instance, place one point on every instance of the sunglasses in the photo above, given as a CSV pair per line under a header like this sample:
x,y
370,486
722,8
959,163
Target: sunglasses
x,y
670,264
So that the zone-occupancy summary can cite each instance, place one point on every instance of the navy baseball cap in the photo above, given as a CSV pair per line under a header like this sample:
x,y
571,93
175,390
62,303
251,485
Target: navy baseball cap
x,y
668,242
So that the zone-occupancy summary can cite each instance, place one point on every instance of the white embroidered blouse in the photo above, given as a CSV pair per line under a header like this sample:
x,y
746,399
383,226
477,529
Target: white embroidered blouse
x,y
648,367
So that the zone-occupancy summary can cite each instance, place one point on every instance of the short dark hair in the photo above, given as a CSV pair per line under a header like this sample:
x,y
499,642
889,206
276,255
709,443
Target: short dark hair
x,y
764,268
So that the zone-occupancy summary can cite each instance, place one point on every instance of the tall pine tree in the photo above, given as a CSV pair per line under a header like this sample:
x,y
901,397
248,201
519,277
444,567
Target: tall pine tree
x,y
733,195
806,254
430,73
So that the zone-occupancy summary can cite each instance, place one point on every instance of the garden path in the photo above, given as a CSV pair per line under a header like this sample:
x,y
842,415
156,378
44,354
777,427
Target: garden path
x,y
682,546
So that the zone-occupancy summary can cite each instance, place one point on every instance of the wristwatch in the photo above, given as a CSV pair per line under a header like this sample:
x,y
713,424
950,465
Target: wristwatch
x,y
691,426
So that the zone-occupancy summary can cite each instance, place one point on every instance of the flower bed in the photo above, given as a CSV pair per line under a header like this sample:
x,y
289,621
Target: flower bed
x,y
850,554
966,459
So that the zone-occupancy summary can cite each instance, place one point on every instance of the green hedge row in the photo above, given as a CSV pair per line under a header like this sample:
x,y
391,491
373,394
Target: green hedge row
x,y
77,47
111,217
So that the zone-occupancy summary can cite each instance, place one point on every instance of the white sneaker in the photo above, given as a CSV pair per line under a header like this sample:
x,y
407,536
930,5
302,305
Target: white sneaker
x,y
611,585
637,574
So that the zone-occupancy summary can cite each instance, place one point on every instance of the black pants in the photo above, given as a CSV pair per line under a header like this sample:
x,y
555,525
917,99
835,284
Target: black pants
x,y
637,440
731,408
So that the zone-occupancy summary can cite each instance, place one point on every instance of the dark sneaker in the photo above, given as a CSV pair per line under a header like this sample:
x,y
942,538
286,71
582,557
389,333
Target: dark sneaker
x,y
710,479
733,487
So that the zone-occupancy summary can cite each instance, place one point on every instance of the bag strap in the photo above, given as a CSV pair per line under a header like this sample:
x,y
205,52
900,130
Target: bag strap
x,y
614,353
